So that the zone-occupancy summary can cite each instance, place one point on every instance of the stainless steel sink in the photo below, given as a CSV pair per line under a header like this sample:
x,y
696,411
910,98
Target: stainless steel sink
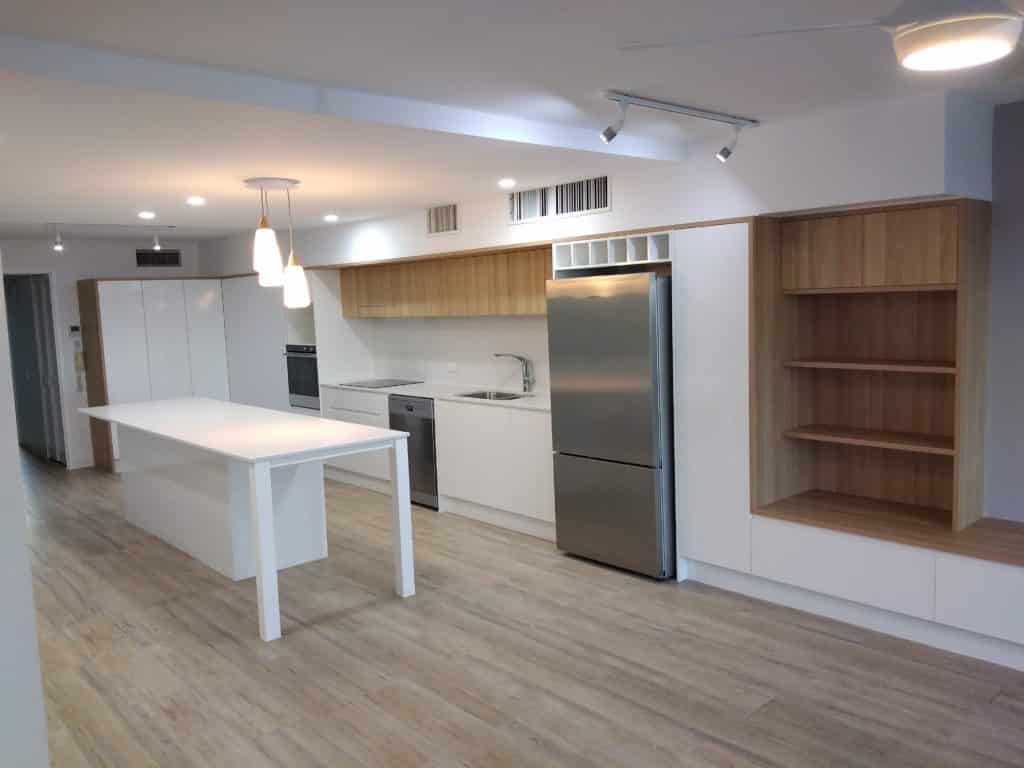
x,y
493,395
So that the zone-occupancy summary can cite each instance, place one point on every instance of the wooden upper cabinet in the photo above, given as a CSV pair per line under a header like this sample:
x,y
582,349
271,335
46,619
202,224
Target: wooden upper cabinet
x,y
498,283
901,247
911,247
823,253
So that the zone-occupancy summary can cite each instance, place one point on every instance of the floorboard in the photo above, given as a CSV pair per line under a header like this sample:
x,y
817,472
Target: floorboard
x,y
510,654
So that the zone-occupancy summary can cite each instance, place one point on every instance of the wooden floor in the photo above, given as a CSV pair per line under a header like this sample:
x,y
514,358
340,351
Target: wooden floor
x,y
510,655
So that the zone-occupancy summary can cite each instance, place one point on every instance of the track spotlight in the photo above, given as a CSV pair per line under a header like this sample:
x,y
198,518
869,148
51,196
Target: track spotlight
x,y
608,134
58,243
725,152
156,242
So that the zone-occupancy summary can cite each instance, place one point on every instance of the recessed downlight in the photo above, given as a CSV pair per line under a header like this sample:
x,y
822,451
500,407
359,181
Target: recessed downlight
x,y
195,201
147,215
506,183
331,218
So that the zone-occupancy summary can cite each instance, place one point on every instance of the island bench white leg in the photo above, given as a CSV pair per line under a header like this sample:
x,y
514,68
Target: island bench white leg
x,y
264,547
401,519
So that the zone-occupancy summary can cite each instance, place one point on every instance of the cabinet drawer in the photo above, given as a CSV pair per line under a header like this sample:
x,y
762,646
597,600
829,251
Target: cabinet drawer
x,y
878,573
354,400
979,596
373,463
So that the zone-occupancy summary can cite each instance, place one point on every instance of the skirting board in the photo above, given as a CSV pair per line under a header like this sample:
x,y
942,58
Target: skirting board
x,y
360,481
539,529
906,627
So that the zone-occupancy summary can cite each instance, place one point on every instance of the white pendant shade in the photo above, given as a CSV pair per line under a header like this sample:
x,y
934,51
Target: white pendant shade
x,y
296,286
266,256
957,43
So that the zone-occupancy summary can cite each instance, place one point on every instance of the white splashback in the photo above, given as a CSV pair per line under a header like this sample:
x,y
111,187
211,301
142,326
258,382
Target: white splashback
x,y
429,349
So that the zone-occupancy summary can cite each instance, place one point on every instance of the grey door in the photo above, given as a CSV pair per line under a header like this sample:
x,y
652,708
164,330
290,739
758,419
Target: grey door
x,y
610,513
601,344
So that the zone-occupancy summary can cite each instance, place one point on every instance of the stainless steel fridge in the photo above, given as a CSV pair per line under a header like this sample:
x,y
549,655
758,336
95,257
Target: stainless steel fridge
x,y
609,340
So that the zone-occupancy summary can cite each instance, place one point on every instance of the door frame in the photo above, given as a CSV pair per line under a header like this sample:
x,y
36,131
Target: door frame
x,y
58,350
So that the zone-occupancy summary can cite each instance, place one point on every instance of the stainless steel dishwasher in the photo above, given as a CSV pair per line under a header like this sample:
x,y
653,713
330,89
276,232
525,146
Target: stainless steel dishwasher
x,y
415,415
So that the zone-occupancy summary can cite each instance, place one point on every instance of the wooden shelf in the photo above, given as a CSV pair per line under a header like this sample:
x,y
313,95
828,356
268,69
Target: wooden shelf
x,y
1000,541
927,288
892,366
910,442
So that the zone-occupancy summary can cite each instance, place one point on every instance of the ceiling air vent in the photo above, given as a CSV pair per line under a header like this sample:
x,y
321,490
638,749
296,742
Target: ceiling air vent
x,y
586,196
528,205
147,257
442,218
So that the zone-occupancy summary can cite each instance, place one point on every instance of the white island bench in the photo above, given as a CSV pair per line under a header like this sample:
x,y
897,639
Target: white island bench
x,y
241,488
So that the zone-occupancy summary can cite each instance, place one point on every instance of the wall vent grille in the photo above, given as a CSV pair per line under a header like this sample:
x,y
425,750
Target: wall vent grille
x,y
528,205
442,218
585,196
166,257
572,198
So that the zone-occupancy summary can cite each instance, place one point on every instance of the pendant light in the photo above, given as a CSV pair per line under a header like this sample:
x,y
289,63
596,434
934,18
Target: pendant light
x,y
266,255
296,286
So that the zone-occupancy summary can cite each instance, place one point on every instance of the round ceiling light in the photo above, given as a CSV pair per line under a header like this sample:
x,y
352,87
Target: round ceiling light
x,y
147,215
195,201
506,183
957,43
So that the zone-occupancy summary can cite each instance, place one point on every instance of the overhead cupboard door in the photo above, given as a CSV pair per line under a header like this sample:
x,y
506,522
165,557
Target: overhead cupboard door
x,y
170,371
208,356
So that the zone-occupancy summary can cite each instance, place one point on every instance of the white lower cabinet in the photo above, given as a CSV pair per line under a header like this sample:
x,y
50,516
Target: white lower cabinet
x,y
496,457
877,573
979,596
367,408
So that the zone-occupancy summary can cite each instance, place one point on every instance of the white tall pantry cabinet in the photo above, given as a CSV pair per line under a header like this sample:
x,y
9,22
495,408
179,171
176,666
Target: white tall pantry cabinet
x,y
167,342
256,328
711,379
150,340
207,346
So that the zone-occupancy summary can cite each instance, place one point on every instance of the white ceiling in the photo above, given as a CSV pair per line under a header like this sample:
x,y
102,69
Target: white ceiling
x,y
96,153
84,155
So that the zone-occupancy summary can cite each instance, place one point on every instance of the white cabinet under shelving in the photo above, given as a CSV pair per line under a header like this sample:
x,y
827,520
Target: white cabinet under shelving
x,y
170,370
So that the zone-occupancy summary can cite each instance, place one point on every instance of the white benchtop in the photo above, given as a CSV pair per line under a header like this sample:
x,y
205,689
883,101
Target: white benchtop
x,y
242,432
534,401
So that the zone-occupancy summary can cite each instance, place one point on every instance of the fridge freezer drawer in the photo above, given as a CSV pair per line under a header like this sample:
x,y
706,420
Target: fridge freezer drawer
x,y
619,514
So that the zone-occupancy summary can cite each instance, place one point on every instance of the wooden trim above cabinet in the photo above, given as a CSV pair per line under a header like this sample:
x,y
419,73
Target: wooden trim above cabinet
x,y
496,282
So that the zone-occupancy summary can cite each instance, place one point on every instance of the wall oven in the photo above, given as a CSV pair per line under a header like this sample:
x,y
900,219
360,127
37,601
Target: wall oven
x,y
303,381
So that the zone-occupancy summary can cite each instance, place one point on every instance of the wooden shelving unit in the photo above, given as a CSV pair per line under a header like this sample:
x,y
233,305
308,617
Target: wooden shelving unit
x,y
869,358
889,366
937,445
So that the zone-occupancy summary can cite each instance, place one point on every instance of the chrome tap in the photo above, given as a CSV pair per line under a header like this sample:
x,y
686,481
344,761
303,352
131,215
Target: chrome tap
x,y
528,380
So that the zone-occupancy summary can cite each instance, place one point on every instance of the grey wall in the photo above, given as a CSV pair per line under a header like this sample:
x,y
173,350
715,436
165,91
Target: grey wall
x,y
22,722
1004,451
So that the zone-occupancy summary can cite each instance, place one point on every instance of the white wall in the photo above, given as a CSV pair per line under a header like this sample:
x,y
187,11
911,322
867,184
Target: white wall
x,y
460,350
867,152
1004,451
82,259
22,720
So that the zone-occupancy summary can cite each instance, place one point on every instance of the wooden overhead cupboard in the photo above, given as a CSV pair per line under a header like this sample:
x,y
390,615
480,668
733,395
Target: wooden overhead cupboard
x,y
869,358
498,282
